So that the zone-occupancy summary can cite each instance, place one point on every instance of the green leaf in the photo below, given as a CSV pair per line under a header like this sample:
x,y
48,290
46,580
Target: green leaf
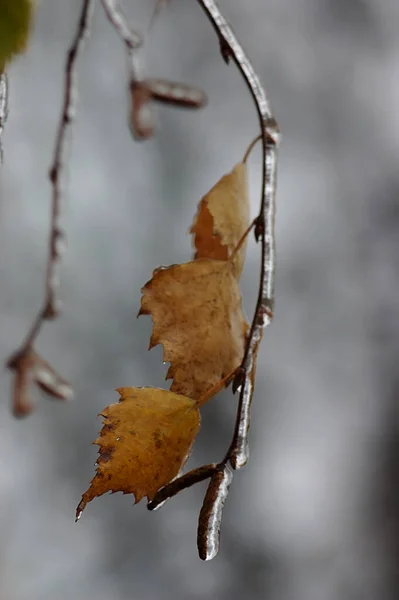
x,y
15,20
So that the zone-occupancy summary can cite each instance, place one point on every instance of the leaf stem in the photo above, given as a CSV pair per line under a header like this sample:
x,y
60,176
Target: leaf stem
x,y
251,147
223,383
241,241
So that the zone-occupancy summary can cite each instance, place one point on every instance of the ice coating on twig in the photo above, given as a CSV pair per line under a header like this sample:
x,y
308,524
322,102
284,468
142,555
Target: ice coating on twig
x,y
238,452
211,513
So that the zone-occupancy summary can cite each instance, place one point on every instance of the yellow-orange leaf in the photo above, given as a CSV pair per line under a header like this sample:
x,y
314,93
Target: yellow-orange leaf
x,y
197,314
145,440
15,22
222,218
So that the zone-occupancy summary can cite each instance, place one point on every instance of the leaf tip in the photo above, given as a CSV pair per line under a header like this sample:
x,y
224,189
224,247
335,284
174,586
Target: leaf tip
x,y
154,341
80,508
142,310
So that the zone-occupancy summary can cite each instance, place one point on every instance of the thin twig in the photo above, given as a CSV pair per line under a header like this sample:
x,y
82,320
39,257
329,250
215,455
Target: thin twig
x,y
57,241
3,108
181,483
51,306
130,38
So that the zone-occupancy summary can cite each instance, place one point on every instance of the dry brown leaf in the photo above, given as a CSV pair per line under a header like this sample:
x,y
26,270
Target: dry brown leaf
x,y
197,315
145,440
222,218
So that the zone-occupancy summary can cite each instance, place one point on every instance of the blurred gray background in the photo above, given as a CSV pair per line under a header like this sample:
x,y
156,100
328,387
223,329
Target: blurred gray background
x,y
314,516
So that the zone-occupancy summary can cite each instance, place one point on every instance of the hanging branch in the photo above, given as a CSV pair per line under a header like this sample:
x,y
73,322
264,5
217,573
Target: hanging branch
x,y
3,108
29,366
237,454
25,362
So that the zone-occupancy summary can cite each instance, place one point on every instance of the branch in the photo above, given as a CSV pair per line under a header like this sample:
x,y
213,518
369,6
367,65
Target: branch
x,y
3,108
264,228
237,454
181,483
25,362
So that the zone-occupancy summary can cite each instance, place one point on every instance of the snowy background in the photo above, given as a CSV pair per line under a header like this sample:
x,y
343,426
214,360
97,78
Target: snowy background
x,y
315,514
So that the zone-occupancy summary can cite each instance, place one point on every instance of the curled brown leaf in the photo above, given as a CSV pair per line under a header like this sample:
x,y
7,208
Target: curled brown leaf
x,y
222,218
